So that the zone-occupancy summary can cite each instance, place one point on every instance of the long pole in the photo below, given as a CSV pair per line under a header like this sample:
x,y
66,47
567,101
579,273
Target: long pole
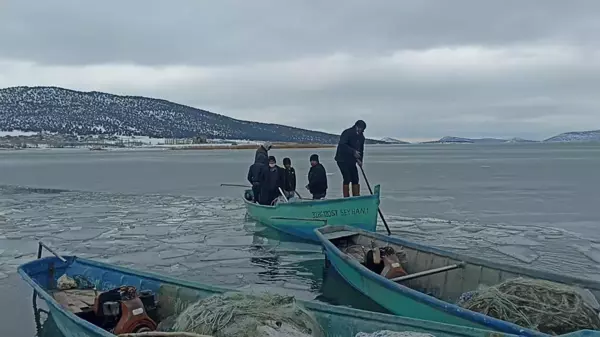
x,y
378,209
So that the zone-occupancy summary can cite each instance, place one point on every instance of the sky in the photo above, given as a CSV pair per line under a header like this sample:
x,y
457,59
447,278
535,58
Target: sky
x,y
414,70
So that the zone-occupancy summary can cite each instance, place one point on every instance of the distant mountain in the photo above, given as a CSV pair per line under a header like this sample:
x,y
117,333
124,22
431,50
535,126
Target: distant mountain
x,y
459,140
390,140
66,111
577,136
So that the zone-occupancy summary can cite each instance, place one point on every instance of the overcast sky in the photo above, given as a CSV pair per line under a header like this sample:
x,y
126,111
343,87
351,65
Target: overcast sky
x,y
417,69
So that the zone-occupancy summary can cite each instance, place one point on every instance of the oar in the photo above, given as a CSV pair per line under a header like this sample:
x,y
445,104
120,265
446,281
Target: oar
x,y
378,209
282,194
236,185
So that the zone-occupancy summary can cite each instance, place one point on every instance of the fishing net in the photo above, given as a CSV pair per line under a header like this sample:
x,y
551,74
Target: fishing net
x,y
246,315
541,305
388,333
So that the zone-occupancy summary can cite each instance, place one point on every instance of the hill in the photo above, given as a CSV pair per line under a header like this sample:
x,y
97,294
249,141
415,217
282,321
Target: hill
x,y
576,136
459,140
67,111
390,140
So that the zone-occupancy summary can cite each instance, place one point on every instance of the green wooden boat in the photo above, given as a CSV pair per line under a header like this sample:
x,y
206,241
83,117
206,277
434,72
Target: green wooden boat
x,y
300,218
42,276
436,279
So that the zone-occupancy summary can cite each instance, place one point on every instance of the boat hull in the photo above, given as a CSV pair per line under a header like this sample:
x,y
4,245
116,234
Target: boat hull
x,y
404,301
301,218
336,321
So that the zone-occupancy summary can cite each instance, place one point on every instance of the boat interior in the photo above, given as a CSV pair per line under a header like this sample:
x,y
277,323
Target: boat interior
x,y
445,277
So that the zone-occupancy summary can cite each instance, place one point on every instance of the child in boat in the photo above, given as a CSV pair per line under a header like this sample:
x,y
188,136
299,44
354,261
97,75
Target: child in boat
x,y
289,178
317,178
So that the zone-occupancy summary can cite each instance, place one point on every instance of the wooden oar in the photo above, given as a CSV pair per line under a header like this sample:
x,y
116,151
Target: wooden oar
x,y
378,209
236,185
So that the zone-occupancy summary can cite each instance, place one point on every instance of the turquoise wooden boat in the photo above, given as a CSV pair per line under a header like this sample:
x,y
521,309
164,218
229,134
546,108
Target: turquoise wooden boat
x,y
43,273
299,218
440,278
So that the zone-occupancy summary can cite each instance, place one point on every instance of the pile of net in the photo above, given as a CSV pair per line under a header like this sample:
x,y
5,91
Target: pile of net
x,y
246,315
388,333
541,305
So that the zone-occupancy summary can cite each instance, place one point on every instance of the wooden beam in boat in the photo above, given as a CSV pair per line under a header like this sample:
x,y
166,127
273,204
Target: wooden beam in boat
x,y
428,272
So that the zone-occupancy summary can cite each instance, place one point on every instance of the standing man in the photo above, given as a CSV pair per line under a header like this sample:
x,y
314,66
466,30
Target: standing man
x,y
350,152
289,178
262,153
258,172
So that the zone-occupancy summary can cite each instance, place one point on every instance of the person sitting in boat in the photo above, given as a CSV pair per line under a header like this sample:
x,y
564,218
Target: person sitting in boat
x,y
273,183
349,153
317,178
289,178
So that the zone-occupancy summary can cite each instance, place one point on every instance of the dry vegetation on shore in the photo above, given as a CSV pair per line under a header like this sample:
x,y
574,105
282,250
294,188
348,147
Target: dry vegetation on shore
x,y
254,146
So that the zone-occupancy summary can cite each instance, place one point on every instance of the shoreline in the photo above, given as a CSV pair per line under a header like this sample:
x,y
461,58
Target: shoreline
x,y
253,147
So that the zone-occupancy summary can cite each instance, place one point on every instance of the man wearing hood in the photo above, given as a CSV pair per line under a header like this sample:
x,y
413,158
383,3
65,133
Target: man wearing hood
x,y
262,153
350,152
258,173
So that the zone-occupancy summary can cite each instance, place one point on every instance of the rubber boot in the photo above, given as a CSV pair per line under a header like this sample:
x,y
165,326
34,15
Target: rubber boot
x,y
346,191
355,190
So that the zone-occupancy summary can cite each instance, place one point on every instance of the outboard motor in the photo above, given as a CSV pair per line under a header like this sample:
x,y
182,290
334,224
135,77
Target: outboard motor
x,y
121,311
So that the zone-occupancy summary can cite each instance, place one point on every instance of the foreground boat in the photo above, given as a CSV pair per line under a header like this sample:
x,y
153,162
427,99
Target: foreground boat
x,y
43,274
444,275
300,218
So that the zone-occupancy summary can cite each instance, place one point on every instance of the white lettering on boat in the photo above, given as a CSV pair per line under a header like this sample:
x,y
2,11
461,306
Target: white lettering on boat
x,y
340,212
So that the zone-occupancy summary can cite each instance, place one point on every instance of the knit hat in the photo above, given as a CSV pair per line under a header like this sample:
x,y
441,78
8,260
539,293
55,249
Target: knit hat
x,y
314,157
267,145
272,159
361,124
287,161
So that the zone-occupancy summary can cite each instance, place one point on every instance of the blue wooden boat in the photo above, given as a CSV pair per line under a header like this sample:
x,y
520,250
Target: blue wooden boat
x,y
42,275
301,217
436,279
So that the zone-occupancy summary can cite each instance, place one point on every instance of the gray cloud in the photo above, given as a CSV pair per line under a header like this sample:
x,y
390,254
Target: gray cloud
x,y
412,69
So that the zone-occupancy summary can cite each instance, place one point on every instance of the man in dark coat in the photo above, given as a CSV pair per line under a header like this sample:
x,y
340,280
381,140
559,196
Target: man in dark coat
x,y
257,174
350,152
262,153
274,181
317,178
289,178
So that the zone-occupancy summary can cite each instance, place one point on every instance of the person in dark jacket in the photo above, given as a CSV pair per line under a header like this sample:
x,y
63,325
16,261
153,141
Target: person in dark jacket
x,y
289,178
262,153
317,178
274,182
257,174
350,152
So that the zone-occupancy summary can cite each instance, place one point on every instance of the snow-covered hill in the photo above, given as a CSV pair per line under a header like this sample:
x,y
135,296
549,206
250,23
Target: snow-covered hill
x,y
66,111
577,136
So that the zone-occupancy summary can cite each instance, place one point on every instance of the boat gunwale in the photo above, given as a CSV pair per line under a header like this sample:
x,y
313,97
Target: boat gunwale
x,y
163,279
448,307
376,195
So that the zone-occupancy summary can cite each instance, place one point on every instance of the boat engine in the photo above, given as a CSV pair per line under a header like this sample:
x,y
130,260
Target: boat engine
x,y
121,310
